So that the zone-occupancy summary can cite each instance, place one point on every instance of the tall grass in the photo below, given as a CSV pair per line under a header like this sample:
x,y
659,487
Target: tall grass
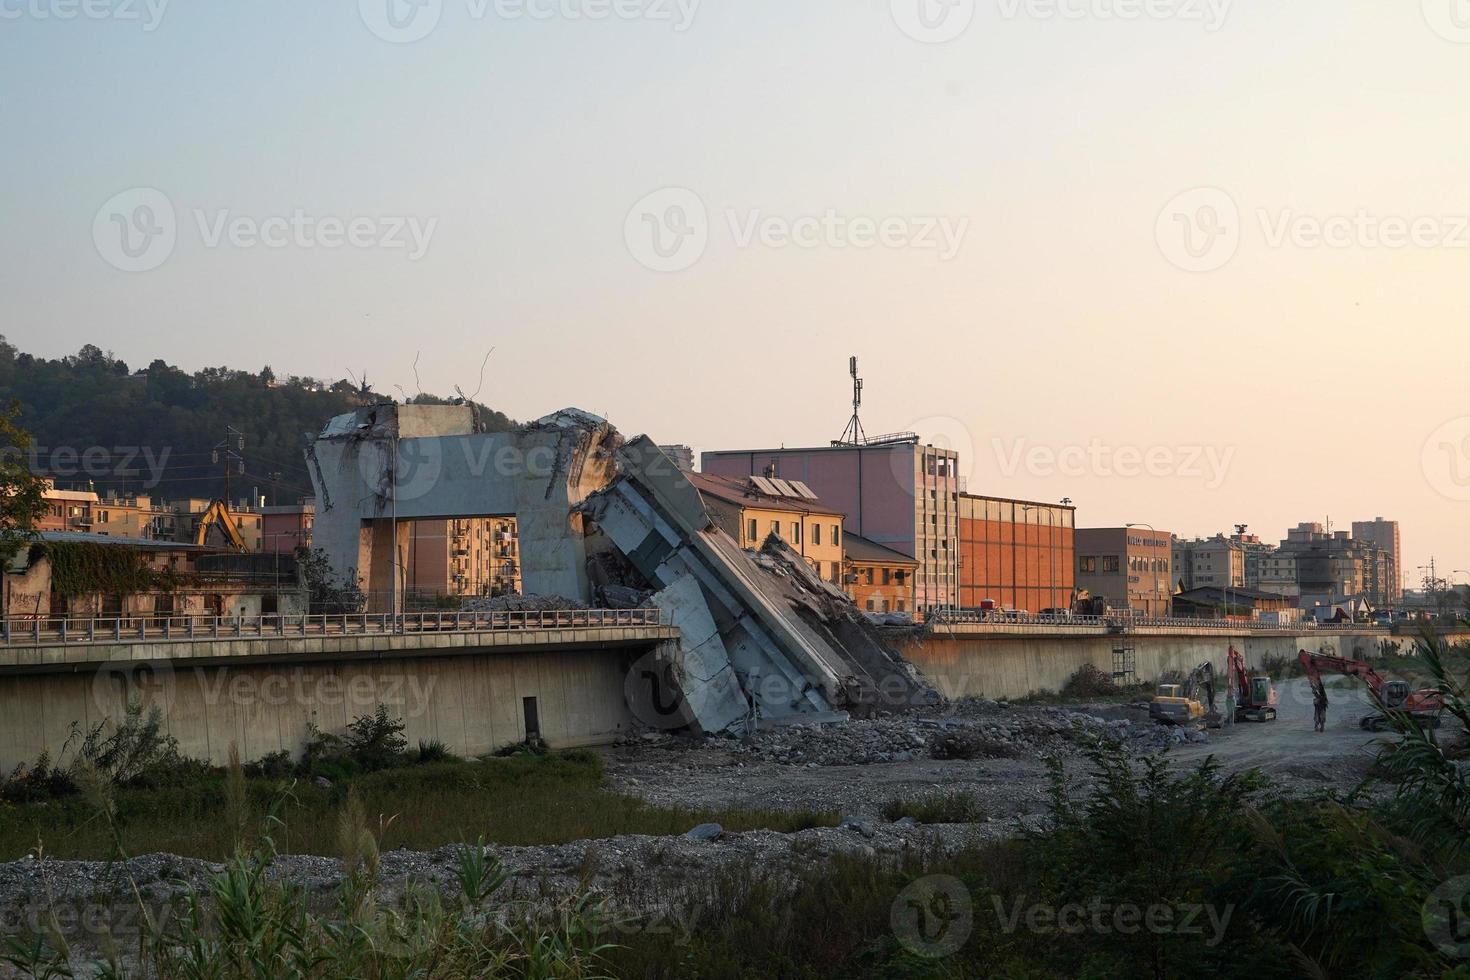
x,y
523,800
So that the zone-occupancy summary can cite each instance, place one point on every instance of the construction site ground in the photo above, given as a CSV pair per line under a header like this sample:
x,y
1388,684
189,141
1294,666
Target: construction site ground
x,y
718,773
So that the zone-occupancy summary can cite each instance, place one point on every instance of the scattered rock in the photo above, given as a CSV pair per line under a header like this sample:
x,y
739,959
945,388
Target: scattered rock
x,y
706,831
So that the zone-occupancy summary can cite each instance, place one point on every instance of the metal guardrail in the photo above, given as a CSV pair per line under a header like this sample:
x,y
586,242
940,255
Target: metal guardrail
x,y
153,629
1126,623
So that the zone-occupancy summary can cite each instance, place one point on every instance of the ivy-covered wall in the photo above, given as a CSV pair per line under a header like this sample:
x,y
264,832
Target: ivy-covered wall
x,y
84,568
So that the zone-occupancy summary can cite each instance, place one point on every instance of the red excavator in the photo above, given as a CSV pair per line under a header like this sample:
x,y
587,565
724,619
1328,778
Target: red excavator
x,y
1256,697
1424,707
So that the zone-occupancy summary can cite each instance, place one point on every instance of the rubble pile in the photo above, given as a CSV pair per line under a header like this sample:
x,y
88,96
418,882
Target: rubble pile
x,y
999,733
519,603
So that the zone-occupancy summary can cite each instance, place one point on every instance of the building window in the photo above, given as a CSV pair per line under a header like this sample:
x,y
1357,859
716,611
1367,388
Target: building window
x,y
887,576
817,534
796,532
1109,563
753,531
1087,564
836,533
776,528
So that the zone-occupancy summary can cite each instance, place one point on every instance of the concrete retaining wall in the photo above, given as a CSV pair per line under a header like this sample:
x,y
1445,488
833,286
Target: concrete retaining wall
x,y
472,702
1014,666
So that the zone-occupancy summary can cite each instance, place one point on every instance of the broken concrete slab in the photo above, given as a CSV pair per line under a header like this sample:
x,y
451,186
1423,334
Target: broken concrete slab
x,y
381,466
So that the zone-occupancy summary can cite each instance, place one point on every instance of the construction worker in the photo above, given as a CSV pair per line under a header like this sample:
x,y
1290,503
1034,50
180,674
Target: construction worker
x,y
1319,708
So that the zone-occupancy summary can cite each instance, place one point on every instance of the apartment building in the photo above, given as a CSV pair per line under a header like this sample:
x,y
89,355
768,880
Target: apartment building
x,y
752,509
1128,566
894,491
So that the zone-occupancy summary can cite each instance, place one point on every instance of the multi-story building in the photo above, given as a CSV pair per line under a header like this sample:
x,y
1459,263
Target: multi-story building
x,y
749,514
1128,566
1276,573
140,516
1016,553
1332,565
879,579
1384,535
470,556
893,491
286,527
67,510
1205,562
131,516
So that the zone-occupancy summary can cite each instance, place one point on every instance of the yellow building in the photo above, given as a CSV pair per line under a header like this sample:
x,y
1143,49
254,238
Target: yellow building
x,y
140,516
750,515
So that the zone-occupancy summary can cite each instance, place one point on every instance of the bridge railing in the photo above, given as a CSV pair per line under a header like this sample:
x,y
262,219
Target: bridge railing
x,y
1127,623
150,629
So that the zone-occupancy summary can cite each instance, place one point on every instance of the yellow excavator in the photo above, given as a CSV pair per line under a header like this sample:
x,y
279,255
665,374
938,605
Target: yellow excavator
x,y
218,516
1181,704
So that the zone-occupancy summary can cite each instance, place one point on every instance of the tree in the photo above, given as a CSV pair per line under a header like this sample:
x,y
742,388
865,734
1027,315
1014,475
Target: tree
x,y
22,493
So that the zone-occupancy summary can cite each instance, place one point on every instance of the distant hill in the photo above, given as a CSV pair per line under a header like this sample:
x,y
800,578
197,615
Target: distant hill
x,y
96,421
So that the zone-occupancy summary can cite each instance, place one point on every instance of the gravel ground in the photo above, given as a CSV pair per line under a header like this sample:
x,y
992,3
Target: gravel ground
x,y
853,769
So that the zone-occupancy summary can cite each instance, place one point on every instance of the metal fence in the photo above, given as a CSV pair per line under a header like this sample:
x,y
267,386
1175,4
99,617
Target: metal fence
x,y
1124,624
151,629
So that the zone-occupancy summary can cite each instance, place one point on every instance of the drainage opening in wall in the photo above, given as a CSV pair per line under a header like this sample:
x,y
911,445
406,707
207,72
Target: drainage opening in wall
x,y
533,718
1125,666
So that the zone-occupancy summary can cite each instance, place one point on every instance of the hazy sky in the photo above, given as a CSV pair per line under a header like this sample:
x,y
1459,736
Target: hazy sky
x,y
980,200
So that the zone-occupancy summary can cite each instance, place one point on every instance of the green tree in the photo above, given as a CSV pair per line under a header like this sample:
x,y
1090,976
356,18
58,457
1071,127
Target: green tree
x,y
22,493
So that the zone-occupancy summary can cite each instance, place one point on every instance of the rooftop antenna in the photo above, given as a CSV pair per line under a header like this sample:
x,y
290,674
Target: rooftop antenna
x,y
853,435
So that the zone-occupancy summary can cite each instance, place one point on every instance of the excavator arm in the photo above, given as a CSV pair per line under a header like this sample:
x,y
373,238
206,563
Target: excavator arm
x,y
218,515
1315,663
1423,706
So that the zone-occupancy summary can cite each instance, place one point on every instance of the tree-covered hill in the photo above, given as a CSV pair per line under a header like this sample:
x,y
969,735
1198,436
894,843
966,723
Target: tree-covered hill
x,y
96,421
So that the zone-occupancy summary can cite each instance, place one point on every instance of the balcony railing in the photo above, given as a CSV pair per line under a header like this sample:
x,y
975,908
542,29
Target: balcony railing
x,y
151,629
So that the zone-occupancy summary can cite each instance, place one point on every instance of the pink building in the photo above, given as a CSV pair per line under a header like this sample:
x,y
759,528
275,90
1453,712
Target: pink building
x,y
285,528
894,492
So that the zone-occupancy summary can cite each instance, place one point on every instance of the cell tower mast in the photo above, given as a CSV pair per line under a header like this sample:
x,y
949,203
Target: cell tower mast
x,y
853,435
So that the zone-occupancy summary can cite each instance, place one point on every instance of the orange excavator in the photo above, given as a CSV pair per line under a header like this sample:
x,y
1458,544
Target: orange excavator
x,y
1424,706
1256,697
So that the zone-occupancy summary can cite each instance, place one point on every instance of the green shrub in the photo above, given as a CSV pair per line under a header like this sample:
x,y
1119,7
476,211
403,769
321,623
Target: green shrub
x,y
1089,682
956,807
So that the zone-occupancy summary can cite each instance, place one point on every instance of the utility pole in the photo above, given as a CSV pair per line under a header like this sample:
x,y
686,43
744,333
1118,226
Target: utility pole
x,y
225,454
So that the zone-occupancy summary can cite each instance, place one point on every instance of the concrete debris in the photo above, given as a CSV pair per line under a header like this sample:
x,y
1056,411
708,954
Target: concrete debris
x,y
1021,733
518,603
764,640
623,597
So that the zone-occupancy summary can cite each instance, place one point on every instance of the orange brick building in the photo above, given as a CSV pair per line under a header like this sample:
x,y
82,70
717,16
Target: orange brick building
x,y
1018,553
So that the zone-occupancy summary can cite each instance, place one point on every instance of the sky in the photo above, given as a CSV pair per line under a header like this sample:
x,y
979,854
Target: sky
x,y
1192,263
